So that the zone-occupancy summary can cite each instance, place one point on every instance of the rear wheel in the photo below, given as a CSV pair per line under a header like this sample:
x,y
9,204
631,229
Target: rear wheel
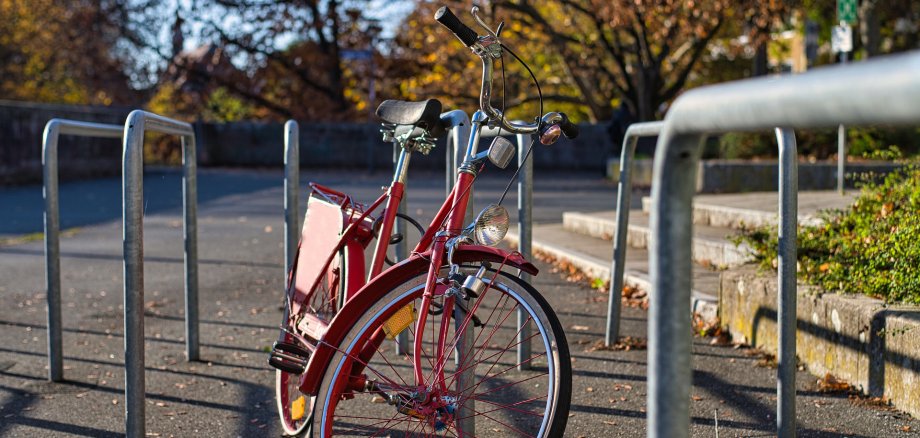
x,y
489,388
295,409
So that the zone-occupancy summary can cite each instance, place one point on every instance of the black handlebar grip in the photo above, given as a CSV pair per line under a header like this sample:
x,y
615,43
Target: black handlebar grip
x,y
569,129
462,31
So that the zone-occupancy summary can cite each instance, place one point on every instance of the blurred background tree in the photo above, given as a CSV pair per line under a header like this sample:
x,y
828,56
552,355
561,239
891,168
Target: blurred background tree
x,y
79,51
335,60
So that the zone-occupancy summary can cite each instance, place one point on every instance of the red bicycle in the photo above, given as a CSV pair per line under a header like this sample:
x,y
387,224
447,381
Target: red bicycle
x,y
479,350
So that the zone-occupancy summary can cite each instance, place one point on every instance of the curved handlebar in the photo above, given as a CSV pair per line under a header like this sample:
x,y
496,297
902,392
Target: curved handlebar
x,y
489,48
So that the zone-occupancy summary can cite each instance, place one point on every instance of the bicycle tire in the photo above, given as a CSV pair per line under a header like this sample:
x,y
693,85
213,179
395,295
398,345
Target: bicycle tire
x,y
286,391
287,385
516,416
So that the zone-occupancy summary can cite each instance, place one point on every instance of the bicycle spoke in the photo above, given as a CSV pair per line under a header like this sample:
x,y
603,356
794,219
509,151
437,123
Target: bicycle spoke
x,y
510,403
511,406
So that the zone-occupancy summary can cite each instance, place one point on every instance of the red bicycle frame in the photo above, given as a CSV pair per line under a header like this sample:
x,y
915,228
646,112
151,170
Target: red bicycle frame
x,y
359,294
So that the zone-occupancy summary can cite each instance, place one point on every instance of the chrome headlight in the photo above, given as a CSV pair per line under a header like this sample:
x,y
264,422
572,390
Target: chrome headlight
x,y
491,225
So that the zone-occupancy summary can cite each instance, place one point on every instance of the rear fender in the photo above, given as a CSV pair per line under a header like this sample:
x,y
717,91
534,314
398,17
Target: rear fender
x,y
388,280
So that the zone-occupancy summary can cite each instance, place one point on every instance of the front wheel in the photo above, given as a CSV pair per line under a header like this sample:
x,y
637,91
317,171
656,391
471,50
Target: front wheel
x,y
489,386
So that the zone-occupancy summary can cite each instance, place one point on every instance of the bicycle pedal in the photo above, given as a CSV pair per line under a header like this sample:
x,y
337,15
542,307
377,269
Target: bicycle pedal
x,y
289,358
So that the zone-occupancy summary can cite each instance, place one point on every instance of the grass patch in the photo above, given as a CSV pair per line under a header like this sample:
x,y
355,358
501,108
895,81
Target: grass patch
x,y
872,248
34,237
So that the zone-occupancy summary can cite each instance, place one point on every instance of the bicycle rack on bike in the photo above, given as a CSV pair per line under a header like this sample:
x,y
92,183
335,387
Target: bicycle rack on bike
x,y
138,123
53,130
879,91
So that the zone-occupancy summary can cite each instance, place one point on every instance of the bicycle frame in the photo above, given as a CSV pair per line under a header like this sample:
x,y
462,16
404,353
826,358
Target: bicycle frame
x,y
428,253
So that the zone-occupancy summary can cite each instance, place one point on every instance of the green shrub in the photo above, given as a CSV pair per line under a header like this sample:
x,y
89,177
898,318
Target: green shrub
x,y
872,248
818,144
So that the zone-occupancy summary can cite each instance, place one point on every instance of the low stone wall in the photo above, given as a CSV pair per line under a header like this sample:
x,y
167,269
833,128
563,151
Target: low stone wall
x,y
874,347
736,176
21,128
732,176
356,145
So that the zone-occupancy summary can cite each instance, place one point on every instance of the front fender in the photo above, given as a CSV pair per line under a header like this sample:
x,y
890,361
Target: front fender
x,y
388,280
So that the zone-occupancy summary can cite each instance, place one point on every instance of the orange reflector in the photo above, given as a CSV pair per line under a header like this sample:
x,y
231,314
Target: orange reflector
x,y
298,408
400,321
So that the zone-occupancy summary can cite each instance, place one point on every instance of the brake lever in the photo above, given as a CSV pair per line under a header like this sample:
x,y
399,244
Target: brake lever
x,y
483,24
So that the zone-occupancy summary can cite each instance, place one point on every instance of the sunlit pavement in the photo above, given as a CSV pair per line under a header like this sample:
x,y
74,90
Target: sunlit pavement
x,y
230,393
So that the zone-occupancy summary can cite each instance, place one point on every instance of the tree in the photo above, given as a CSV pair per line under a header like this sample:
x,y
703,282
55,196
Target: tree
x,y
599,54
425,60
71,52
292,52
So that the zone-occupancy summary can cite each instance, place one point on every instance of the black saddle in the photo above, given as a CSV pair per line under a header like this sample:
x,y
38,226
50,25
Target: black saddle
x,y
425,114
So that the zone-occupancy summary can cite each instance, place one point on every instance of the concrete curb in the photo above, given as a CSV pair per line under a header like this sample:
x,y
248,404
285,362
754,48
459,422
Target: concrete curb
x,y
861,340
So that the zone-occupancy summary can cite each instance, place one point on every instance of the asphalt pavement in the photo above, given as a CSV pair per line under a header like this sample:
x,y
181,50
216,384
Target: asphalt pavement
x,y
230,392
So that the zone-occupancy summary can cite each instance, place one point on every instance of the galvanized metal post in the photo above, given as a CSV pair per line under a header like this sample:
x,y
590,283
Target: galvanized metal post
x,y
459,136
786,278
190,219
669,260
291,191
841,157
823,97
52,219
136,125
401,252
450,162
624,195
525,242
466,382
133,216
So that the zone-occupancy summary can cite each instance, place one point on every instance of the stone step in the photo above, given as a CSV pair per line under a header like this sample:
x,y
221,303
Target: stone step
x,y
710,244
759,208
594,256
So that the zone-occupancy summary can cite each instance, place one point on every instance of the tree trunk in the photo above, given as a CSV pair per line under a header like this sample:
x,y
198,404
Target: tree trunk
x,y
869,28
760,60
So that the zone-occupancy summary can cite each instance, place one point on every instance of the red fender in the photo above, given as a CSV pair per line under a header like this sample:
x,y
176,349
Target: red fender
x,y
383,283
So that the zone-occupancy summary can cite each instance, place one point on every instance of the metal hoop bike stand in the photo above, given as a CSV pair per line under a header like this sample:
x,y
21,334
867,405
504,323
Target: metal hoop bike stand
x,y
824,97
53,130
624,191
138,123
525,232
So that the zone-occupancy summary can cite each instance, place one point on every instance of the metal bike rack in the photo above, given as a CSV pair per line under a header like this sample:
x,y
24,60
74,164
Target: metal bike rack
x,y
136,125
525,232
459,136
786,278
291,191
824,97
624,192
53,130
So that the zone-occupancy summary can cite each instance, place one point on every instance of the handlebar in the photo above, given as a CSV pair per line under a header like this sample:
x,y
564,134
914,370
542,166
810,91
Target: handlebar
x,y
466,35
489,48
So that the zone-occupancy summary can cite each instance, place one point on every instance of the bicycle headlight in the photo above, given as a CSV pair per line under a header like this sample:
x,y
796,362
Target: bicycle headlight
x,y
491,225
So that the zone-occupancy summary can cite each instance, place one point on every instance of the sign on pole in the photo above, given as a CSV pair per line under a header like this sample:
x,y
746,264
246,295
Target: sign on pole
x,y
842,38
846,11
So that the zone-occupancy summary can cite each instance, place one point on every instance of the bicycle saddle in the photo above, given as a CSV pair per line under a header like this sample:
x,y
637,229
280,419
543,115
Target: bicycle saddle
x,y
426,114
